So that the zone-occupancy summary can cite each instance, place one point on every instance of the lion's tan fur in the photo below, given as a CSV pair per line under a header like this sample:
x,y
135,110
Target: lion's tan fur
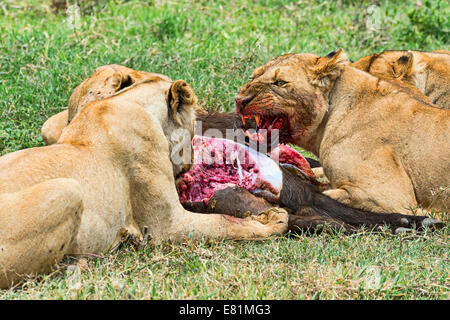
x,y
382,147
108,173
103,83
427,71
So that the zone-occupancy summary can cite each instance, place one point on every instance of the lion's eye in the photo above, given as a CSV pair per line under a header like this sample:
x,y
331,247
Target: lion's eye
x,y
279,83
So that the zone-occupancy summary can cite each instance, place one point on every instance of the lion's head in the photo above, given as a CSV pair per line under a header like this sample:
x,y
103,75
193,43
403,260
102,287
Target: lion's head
x,y
171,103
179,129
388,64
428,72
103,83
290,93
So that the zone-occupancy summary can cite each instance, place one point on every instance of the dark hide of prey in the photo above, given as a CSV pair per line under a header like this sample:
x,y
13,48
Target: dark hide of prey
x,y
237,202
223,121
311,210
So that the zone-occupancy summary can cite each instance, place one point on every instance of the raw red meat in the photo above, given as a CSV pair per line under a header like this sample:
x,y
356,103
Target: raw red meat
x,y
286,154
221,163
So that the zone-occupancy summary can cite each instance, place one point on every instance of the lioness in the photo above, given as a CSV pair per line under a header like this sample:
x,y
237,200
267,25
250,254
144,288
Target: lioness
x,y
428,71
382,148
103,83
108,172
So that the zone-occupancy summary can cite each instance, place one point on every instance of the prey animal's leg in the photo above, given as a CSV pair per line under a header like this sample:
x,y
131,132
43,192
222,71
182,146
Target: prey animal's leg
x,y
312,209
186,224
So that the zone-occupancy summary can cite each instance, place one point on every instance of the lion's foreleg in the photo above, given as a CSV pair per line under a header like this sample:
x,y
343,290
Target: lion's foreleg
x,y
192,225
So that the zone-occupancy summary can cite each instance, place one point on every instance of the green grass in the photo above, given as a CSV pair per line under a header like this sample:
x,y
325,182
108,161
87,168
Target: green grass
x,y
362,266
215,45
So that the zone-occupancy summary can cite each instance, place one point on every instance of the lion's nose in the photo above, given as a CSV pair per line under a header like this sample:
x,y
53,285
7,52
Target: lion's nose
x,y
241,103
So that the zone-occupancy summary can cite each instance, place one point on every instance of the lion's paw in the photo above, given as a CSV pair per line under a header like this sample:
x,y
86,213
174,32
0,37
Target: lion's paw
x,y
128,234
274,219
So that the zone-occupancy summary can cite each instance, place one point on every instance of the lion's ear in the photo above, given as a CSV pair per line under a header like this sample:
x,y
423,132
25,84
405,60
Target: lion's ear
x,y
403,66
365,62
181,100
329,67
115,81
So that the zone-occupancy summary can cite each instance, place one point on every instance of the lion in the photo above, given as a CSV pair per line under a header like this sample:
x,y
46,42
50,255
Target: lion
x,y
109,174
427,71
103,83
382,148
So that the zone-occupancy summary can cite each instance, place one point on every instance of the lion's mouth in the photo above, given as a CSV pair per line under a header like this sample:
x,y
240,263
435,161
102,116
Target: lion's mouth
x,y
269,128
272,125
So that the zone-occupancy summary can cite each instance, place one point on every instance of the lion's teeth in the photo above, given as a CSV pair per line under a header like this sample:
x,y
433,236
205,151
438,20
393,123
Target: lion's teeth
x,y
258,120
